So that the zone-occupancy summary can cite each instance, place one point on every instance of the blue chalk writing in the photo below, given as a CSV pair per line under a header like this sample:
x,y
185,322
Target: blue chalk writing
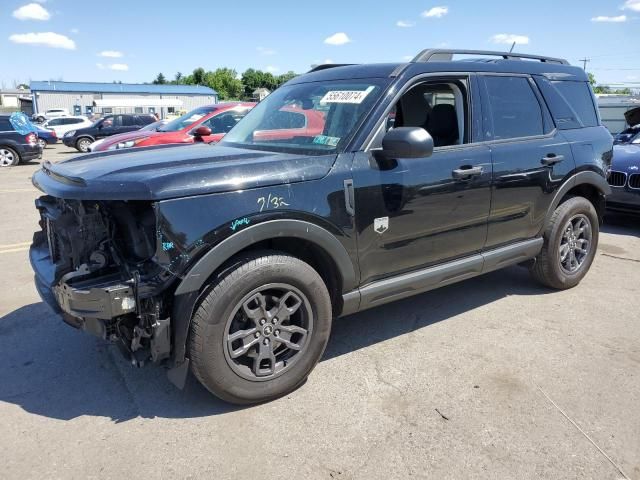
x,y
241,221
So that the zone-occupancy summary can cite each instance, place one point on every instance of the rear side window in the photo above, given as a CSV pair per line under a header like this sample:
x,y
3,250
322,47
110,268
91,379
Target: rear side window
x,y
515,110
128,121
578,96
5,125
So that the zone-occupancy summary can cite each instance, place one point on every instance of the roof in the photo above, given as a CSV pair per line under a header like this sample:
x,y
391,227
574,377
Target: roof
x,y
54,86
261,90
385,70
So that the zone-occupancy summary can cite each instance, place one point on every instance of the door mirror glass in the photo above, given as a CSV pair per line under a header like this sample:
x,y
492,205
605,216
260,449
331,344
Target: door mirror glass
x,y
406,142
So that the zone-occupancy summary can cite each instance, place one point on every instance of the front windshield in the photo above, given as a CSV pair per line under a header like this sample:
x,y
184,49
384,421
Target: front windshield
x,y
308,118
186,120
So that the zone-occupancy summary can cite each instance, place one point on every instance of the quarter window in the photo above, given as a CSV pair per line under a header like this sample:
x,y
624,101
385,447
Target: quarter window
x,y
515,110
578,95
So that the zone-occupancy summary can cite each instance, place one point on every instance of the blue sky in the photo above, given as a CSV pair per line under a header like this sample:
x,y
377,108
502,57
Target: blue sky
x,y
67,39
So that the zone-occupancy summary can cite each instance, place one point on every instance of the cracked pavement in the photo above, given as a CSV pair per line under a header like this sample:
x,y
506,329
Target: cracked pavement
x,y
533,384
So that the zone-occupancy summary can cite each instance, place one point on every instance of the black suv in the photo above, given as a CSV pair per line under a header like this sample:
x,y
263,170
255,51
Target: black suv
x,y
105,127
232,260
15,147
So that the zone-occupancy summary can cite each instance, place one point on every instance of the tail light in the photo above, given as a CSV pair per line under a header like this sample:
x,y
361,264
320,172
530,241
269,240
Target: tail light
x,y
32,139
54,134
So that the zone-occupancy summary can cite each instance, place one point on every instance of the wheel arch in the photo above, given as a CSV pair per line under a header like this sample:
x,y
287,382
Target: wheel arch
x,y
305,240
588,184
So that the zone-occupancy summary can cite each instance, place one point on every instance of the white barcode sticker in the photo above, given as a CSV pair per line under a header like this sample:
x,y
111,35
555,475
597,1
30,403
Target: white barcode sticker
x,y
346,96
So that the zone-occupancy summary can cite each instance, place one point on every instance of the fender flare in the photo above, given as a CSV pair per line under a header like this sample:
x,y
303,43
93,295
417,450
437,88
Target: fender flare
x,y
214,258
581,178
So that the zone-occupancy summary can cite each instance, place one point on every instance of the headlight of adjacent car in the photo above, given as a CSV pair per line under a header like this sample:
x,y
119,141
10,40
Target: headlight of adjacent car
x,y
70,133
126,144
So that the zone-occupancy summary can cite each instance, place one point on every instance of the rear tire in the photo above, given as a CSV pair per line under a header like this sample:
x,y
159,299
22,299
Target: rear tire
x,y
82,144
42,142
261,328
570,244
8,157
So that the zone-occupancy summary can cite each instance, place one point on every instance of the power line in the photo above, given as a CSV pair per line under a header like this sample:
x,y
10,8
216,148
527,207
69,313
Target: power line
x,y
584,63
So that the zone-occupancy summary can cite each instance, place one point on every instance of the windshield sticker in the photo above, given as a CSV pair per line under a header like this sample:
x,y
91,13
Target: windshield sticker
x,y
324,140
346,96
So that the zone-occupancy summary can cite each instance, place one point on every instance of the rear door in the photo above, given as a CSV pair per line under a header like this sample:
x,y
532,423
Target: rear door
x,y
129,124
530,157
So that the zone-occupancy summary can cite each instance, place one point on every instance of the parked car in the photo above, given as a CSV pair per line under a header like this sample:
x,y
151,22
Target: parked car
x,y
232,260
81,138
214,121
46,137
63,125
51,113
16,147
152,127
624,176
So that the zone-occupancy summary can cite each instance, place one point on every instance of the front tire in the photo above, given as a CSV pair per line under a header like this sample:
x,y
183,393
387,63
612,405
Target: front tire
x,y
83,144
260,329
570,244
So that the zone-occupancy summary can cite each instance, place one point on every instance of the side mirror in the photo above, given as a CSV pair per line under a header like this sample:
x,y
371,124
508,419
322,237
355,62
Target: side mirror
x,y
201,131
406,142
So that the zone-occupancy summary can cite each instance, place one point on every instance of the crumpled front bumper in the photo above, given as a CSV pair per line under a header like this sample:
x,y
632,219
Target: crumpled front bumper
x,y
93,299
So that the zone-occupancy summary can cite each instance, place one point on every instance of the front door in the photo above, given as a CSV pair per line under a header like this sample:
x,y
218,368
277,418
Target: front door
x,y
413,213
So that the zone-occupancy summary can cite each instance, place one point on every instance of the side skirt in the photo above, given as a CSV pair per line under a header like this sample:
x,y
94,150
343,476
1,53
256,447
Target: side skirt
x,y
420,281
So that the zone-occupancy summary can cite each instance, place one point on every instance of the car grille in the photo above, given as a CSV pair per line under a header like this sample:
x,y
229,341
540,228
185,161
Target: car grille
x,y
617,179
634,181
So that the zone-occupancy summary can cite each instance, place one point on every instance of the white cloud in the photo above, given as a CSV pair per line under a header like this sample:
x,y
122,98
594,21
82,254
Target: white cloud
x,y
632,5
408,58
121,67
32,11
405,24
435,12
339,38
266,51
75,31
44,39
111,54
509,38
603,18
271,69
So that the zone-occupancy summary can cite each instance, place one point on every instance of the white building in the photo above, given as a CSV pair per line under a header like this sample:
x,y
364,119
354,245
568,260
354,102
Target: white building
x,y
82,98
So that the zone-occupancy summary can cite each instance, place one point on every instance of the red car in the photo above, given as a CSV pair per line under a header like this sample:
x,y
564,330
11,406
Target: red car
x,y
211,121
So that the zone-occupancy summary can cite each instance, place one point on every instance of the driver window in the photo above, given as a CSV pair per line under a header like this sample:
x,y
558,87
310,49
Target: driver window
x,y
438,107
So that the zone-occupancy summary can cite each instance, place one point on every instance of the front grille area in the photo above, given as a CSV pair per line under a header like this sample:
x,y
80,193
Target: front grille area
x,y
634,181
617,179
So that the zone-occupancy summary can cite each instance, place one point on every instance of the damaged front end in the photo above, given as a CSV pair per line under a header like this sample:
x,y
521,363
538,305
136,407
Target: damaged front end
x,y
94,265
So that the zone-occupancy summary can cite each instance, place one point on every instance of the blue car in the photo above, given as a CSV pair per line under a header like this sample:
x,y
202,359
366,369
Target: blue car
x,y
624,176
46,137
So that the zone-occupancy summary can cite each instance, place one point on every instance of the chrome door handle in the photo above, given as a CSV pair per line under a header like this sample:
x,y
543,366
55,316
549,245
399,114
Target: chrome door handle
x,y
466,172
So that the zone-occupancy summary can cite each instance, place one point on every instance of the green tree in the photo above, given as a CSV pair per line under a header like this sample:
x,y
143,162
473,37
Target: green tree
x,y
178,78
160,80
592,79
198,76
252,79
285,77
225,81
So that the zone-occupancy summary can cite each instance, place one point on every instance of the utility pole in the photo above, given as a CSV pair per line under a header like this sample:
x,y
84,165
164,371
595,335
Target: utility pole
x,y
584,63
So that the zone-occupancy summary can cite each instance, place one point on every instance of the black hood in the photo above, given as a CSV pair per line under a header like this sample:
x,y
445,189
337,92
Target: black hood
x,y
159,173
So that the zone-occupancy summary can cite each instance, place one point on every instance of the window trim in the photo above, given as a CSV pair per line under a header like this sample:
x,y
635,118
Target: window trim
x,y
380,123
486,104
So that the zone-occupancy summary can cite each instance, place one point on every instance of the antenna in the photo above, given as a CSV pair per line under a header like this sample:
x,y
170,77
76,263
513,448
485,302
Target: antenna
x,y
512,46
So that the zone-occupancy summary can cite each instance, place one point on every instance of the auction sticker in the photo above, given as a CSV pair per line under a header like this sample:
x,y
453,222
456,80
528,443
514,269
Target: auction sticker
x,y
346,96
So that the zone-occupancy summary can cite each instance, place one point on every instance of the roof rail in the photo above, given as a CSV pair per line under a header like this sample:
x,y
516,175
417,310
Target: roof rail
x,y
324,66
446,55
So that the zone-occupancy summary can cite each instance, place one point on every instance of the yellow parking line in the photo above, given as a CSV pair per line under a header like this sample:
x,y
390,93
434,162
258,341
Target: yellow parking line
x,y
12,245
11,250
16,190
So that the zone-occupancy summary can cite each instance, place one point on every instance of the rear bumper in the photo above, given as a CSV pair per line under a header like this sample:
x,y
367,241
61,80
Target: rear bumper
x,y
30,152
